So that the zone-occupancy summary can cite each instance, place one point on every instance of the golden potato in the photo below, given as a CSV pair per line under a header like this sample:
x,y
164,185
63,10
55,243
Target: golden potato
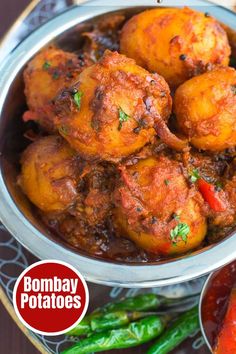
x,y
113,109
157,209
205,108
48,72
49,174
175,43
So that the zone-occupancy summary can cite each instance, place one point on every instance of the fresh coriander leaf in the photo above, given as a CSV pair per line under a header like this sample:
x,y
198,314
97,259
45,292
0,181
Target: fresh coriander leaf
x,y
46,65
174,232
77,98
181,230
167,182
123,117
63,130
175,216
55,75
194,175
218,186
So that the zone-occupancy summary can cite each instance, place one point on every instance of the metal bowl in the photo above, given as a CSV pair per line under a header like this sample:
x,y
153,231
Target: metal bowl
x,y
15,211
213,302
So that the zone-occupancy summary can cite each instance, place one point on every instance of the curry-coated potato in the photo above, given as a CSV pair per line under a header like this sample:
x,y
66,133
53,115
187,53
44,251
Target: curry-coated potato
x,y
49,174
175,43
48,72
112,110
156,208
205,108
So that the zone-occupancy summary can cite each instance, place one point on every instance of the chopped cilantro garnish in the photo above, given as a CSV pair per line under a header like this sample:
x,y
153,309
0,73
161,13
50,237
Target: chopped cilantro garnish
x,y
46,65
63,130
194,175
77,98
181,230
123,117
167,182
218,186
175,216
55,75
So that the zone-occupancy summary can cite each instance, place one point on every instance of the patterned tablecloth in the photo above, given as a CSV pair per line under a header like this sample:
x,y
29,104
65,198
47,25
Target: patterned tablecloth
x,y
14,258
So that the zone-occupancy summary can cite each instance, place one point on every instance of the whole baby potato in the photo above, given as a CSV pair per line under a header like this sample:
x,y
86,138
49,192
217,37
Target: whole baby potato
x,y
113,109
49,174
205,108
48,72
175,43
157,209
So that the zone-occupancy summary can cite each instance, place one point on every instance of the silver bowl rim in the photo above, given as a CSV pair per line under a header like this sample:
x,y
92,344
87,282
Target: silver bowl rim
x,y
203,292
99,271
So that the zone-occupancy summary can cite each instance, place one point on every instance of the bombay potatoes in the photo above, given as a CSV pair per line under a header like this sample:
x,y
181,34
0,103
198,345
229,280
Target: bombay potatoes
x,y
205,108
49,174
49,71
113,109
176,43
157,209
126,176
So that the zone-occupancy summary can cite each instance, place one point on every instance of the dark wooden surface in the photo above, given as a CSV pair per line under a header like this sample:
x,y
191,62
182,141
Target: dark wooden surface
x,y
9,11
12,340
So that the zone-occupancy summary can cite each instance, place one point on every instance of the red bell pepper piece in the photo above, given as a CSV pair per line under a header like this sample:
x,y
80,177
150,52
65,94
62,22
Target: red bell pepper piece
x,y
211,196
226,343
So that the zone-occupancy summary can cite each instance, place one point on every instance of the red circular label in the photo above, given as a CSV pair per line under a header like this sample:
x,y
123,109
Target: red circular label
x,y
50,297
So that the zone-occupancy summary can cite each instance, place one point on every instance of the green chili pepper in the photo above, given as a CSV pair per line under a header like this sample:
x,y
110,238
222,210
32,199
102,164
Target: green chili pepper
x,y
139,303
83,328
111,320
106,321
177,333
143,302
134,334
